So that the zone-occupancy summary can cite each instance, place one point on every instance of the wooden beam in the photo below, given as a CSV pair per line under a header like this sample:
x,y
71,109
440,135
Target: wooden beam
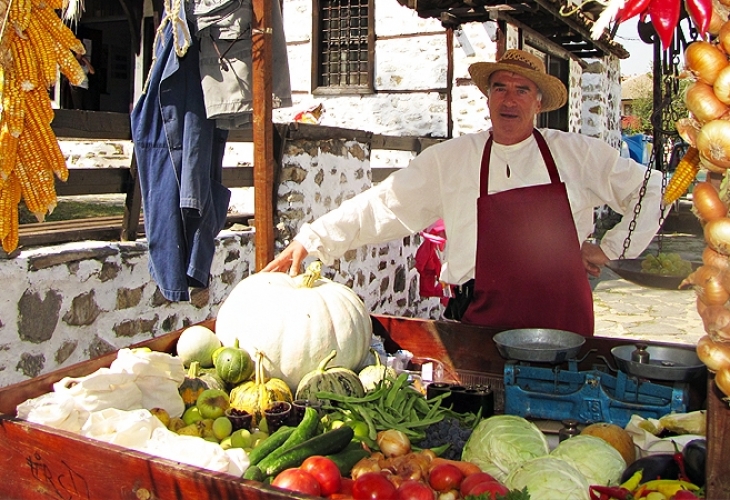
x,y
263,132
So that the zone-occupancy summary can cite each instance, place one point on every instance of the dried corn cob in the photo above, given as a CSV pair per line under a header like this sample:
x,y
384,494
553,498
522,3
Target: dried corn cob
x,y
25,65
8,153
685,173
42,44
13,105
59,31
41,137
68,64
9,199
19,14
36,181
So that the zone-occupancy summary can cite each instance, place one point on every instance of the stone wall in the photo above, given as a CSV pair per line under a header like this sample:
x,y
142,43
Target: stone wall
x,y
68,303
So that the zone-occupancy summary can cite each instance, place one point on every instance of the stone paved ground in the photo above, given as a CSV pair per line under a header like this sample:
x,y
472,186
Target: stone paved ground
x,y
624,309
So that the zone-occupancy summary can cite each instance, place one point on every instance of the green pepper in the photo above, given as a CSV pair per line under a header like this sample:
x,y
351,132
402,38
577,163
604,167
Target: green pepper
x,y
664,17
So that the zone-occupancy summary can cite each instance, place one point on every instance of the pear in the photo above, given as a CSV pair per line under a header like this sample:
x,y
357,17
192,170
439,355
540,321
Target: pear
x,y
162,415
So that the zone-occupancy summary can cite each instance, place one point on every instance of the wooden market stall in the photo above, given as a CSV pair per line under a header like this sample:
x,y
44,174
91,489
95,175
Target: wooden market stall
x,y
40,462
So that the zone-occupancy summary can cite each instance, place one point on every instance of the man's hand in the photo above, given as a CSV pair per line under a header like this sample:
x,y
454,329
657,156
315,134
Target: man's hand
x,y
289,260
593,258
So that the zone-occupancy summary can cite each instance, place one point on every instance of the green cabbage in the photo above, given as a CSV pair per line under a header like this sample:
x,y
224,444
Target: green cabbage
x,y
597,460
501,443
549,478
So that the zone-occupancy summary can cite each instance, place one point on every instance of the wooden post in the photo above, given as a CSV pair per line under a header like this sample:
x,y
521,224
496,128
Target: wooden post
x,y
263,137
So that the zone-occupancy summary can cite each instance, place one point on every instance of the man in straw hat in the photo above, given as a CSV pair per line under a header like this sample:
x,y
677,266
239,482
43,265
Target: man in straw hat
x,y
516,203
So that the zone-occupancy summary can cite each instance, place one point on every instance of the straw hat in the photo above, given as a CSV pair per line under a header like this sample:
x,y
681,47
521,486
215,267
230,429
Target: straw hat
x,y
554,94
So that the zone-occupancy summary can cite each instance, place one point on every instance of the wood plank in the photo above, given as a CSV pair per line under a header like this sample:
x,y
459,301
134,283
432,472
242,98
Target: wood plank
x,y
718,443
263,131
75,124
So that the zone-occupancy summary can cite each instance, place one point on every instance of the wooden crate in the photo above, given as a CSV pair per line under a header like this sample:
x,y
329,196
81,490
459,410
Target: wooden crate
x,y
40,462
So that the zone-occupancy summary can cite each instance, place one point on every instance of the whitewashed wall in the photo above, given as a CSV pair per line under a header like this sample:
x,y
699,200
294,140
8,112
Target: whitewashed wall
x,y
68,303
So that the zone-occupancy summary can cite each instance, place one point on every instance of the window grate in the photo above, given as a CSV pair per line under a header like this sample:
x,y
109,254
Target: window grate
x,y
344,43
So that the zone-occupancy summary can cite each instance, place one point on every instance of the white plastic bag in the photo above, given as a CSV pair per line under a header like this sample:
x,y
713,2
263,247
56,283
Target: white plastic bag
x,y
102,389
57,410
649,444
131,429
192,450
157,375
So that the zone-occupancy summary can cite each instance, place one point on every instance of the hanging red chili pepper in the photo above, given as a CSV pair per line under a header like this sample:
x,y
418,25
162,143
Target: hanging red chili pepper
x,y
701,13
664,17
632,8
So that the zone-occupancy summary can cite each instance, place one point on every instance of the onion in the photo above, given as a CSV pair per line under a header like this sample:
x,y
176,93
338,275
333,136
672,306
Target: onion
x,y
723,36
708,284
715,355
713,141
721,87
714,259
708,165
705,60
393,443
722,381
702,102
717,235
706,201
688,129
720,11
716,320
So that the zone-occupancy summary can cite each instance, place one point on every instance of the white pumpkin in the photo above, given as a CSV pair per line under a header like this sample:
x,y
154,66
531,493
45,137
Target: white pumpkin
x,y
296,322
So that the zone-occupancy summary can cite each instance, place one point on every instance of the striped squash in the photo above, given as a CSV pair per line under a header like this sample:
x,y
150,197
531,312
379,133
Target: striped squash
x,y
338,380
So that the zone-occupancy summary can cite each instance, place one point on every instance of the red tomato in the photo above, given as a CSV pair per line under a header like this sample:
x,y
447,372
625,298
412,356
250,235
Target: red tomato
x,y
494,488
414,490
346,486
373,486
326,473
472,480
297,480
445,477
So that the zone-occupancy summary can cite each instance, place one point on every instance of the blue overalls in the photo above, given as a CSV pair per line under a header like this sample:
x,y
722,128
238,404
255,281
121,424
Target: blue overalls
x,y
180,158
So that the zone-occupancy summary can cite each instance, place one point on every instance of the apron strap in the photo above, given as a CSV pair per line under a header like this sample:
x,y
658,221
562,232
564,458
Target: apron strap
x,y
544,151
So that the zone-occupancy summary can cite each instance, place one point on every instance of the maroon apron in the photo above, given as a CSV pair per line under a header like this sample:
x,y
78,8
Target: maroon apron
x,y
529,271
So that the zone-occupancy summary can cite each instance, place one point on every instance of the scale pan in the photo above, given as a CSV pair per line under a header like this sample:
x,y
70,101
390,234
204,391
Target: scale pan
x,y
665,363
540,345
630,270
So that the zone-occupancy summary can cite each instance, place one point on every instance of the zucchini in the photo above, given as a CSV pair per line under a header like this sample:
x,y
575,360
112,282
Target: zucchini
x,y
306,429
271,443
324,444
347,458
253,473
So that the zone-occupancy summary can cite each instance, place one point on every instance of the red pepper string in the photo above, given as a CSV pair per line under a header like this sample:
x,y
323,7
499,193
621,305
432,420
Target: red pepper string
x,y
599,492
701,13
633,8
664,17
679,459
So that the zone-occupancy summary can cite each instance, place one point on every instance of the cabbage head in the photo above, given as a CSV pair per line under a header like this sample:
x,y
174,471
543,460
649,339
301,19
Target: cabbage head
x,y
597,460
501,443
549,478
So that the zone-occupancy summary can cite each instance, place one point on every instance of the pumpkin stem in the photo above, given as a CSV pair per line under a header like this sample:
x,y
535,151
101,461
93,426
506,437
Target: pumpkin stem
x,y
311,275
260,368
377,357
194,369
323,365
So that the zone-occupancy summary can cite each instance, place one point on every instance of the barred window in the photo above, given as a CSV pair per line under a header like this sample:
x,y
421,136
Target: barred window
x,y
343,46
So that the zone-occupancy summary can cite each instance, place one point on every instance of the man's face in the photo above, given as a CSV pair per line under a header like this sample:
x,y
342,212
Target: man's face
x,y
513,104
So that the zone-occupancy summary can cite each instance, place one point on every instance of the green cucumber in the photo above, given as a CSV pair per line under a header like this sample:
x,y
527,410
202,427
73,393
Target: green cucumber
x,y
253,473
347,458
327,443
271,443
306,429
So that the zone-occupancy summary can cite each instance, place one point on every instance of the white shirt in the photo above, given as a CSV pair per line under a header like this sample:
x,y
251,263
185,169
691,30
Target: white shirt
x,y
443,182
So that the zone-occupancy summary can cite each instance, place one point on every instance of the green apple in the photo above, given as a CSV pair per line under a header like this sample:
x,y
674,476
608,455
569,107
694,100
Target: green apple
x,y
190,430
241,439
176,423
226,443
192,415
222,427
212,403
263,425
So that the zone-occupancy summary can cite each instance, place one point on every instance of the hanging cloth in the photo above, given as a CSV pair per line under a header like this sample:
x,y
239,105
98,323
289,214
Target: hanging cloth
x,y
529,272
179,154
